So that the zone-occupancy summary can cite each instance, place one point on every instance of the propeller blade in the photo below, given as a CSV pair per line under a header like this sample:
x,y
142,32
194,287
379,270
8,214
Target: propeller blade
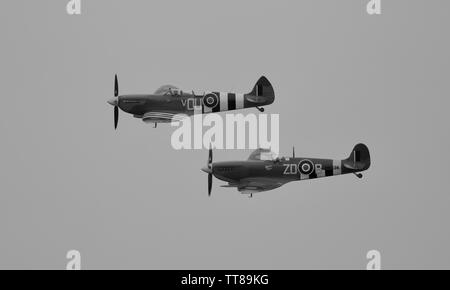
x,y
210,157
209,184
209,169
293,152
116,116
116,86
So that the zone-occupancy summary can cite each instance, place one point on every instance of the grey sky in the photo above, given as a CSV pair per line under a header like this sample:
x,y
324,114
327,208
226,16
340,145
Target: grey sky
x,y
126,199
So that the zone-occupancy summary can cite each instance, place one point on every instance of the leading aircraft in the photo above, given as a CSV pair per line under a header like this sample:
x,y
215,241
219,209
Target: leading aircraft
x,y
264,171
168,102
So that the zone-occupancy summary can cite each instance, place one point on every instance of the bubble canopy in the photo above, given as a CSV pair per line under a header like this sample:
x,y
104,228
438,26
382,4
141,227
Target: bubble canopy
x,y
263,154
167,89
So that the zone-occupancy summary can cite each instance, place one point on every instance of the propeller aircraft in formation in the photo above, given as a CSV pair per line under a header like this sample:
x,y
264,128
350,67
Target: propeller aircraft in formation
x,y
168,102
263,171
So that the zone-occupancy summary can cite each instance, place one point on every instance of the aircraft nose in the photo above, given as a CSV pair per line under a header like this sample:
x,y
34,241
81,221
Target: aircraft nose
x,y
113,101
207,169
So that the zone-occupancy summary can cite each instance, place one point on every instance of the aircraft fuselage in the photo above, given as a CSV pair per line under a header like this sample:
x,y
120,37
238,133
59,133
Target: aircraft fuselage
x,y
168,103
259,174
186,103
288,169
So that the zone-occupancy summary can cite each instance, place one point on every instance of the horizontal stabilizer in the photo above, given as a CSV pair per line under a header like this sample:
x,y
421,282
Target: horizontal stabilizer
x,y
355,165
229,185
255,99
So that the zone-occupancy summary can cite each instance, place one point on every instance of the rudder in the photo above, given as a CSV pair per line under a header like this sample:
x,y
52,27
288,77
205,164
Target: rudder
x,y
263,89
359,159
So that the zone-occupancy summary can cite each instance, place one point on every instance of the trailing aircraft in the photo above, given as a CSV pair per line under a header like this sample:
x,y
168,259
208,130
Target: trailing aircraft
x,y
264,171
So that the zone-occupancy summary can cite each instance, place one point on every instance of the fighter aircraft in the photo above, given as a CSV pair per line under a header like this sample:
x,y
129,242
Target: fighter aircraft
x,y
264,171
168,102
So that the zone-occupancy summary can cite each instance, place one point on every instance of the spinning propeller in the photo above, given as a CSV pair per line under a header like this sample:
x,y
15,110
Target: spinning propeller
x,y
208,169
115,102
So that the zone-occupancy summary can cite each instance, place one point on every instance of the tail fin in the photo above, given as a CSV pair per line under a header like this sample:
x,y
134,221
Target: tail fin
x,y
262,92
359,159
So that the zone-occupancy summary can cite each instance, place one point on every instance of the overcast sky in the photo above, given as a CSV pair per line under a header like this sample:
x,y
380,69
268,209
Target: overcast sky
x,y
125,199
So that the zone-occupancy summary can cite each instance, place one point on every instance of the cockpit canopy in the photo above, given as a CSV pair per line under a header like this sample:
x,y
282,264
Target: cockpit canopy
x,y
263,154
168,90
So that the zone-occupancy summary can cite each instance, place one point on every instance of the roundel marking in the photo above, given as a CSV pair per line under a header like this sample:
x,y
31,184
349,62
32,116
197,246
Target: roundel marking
x,y
306,167
211,100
